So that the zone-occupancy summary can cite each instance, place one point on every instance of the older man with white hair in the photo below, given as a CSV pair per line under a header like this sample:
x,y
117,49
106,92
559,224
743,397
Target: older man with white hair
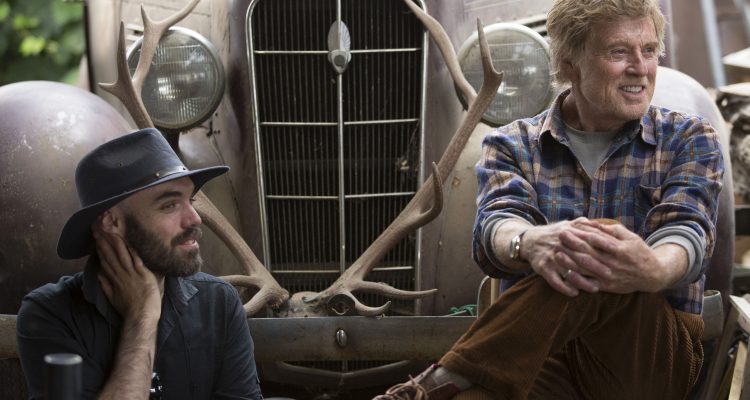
x,y
599,214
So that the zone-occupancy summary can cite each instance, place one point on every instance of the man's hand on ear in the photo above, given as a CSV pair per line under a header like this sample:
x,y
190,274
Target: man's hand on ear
x,y
134,291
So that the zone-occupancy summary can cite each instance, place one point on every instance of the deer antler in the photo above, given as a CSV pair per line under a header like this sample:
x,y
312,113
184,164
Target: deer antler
x,y
338,297
269,291
129,93
124,89
445,46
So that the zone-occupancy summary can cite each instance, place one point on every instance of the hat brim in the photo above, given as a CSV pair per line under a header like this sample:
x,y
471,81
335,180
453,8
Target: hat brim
x,y
76,239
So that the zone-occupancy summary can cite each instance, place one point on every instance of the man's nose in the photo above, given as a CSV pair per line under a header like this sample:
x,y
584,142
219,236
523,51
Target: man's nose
x,y
191,217
637,64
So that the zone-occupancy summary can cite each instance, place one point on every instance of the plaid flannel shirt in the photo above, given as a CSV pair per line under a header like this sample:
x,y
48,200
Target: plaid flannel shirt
x,y
665,169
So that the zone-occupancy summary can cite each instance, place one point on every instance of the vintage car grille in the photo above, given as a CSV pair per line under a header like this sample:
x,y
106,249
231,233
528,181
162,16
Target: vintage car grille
x,y
339,156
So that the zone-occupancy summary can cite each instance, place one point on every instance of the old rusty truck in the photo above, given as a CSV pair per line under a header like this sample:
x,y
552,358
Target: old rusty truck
x,y
351,128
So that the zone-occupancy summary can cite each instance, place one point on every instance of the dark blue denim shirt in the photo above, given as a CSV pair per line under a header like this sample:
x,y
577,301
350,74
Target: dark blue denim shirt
x,y
204,349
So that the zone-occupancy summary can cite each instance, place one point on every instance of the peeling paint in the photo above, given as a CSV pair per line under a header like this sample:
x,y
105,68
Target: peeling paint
x,y
65,119
26,143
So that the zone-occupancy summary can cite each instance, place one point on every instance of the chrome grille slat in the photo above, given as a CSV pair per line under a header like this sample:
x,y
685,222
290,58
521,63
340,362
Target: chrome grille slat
x,y
346,123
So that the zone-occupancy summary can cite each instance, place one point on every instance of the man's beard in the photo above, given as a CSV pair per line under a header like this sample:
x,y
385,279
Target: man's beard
x,y
159,258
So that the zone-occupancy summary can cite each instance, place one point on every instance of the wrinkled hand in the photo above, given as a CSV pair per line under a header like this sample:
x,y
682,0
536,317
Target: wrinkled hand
x,y
133,289
611,257
542,243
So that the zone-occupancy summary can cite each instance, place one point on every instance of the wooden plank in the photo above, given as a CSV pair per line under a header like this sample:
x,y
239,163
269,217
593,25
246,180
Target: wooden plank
x,y
720,360
743,306
8,345
745,393
739,371
495,293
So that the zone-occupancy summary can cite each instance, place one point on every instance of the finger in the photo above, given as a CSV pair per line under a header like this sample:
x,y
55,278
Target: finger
x,y
106,286
618,231
581,282
107,256
584,223
590,240
123,255
573,240
556,281
138,265
586,264
603,242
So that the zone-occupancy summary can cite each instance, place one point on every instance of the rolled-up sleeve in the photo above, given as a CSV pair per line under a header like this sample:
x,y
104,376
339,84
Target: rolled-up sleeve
x,y
502,189
690,190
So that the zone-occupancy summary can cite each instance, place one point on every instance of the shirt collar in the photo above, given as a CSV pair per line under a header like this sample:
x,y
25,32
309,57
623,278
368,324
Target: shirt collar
x,y
554,126
179,291
93,293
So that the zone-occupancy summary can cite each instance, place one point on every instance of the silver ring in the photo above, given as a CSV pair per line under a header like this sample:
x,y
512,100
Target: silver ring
x,y
566,273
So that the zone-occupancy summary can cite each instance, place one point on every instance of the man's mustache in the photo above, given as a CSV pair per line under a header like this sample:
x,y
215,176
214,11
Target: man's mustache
x,y
192,233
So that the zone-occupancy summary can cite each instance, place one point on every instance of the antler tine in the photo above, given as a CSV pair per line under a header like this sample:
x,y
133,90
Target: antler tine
x,y
269,291
492,80
266,295
392,292
412,216
445,46
123,87
368,311
152,33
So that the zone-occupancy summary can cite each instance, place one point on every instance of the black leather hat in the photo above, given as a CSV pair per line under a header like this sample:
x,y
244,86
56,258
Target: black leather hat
x,y
116,170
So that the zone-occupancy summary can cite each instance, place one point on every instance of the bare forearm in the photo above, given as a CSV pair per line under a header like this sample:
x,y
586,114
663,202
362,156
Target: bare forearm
x,y
131,375
674,264
502,241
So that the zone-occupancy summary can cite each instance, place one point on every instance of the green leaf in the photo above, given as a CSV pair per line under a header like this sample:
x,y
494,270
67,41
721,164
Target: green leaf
x,y
4,11
22,22
3,45
66,13
71,76
31,46
40,39
73,41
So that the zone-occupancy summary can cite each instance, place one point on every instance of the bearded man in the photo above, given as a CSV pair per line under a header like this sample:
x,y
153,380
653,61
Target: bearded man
x,y
141,316
591,309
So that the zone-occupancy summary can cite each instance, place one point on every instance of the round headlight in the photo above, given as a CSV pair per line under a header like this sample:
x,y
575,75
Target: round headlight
x,y
186,81
523,55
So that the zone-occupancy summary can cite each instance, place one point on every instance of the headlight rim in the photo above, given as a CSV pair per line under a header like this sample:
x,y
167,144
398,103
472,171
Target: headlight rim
x,y
490,30
221,79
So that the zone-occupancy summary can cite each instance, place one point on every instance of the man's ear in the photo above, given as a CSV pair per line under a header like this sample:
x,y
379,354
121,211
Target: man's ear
x,y
110,221
570,71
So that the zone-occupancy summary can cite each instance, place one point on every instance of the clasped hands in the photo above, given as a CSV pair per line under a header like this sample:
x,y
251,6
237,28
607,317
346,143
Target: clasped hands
x,y
587,255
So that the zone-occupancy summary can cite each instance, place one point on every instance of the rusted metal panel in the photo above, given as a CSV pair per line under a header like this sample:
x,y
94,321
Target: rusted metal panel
x,y
45,128
330,338
388,338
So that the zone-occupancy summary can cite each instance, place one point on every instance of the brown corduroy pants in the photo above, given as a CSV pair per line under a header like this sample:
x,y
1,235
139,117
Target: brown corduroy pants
x,y
534,342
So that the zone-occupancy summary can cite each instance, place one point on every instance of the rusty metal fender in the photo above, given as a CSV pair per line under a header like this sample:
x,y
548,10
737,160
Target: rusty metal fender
x,y
45,128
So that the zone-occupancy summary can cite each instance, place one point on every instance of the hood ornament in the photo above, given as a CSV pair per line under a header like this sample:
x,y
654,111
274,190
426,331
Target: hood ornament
x,y
339,43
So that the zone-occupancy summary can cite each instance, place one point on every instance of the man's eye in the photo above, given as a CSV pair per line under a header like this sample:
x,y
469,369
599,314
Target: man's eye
x,y
192,200
617,54
169,206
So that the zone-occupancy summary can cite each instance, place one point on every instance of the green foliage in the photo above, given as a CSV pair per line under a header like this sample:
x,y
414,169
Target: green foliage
x,y
40,40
